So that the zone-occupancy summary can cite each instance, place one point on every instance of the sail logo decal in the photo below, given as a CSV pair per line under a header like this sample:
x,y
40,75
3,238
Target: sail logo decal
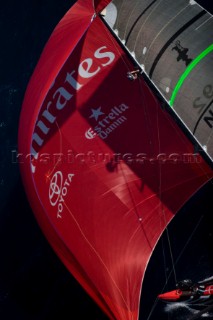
x,y
96,113
58,190
107,123
182,53
90,134
55,188
61,93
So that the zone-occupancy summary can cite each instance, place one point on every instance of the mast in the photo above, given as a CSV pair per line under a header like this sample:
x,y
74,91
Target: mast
x,y
171,43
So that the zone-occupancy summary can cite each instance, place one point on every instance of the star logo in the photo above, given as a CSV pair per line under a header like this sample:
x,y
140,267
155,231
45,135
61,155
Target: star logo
x,y
96,113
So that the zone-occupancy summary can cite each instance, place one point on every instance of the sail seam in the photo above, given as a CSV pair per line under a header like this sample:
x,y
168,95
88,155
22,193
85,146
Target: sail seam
x,y
96,253
136,21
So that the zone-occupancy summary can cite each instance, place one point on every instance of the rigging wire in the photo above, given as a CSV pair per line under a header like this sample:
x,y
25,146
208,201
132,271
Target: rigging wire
x,y
161,202
119,12
150,134
129,17
127,66
137,38
184,248
171,254
164,27
176,261
148,128
173,271
114,42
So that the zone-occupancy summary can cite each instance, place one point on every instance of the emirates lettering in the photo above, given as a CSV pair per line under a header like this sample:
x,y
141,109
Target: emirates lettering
x,y
88,68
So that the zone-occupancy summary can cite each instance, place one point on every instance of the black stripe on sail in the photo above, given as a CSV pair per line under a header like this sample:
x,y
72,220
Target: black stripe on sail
x,y
201,116
175,35
136,21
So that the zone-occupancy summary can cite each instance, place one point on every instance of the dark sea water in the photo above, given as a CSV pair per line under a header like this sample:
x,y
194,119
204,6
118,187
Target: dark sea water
x,y
34,285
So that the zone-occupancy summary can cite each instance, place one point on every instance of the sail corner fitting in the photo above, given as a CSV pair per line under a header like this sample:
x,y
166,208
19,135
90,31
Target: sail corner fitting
x,y
133,75
93,17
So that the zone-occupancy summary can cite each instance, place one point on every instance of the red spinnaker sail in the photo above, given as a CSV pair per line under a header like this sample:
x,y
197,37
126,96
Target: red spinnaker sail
x,y
104,167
